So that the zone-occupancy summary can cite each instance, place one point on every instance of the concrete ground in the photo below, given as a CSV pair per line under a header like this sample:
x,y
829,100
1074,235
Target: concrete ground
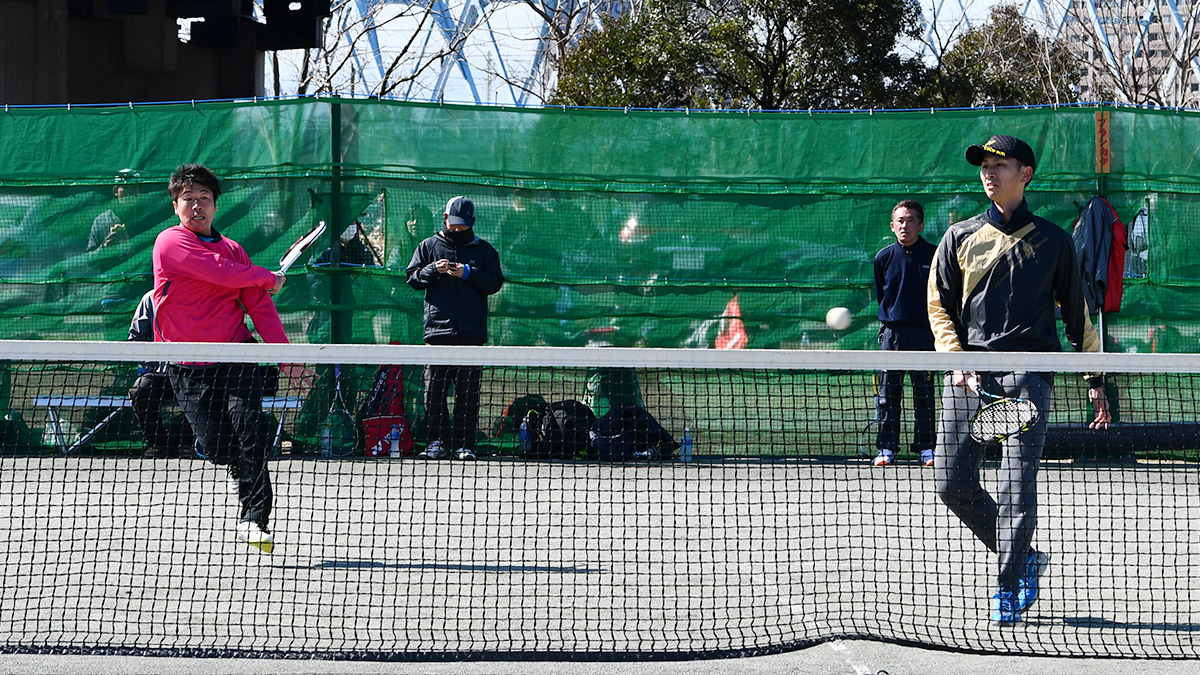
x,y
834,658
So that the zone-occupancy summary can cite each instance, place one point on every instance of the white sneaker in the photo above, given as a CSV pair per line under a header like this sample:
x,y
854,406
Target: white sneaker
x,y
465,454
434,450
884,458
251,533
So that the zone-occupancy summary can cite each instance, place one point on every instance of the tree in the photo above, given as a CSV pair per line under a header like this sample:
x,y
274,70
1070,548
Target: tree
x,y
777,54
1005,61
563,25
768,54
654,59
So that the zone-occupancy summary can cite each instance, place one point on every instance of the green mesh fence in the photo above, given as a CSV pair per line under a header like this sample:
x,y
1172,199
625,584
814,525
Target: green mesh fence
x,y
638,228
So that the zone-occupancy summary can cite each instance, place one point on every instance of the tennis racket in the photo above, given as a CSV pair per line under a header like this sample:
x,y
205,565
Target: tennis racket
x,y
362,235
295,250
1001,417
339,431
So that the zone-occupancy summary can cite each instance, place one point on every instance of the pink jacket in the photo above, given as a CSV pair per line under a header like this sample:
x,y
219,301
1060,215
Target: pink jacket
x,y
201,288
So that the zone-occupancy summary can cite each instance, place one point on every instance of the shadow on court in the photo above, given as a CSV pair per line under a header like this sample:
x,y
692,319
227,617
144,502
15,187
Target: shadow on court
x,y
445,567
1097,622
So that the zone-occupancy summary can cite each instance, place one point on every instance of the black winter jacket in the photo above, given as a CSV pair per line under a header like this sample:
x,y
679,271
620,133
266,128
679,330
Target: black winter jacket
x,y
455,309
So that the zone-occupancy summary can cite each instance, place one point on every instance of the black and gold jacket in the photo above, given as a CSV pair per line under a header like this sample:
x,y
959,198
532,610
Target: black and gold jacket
x,y
994,287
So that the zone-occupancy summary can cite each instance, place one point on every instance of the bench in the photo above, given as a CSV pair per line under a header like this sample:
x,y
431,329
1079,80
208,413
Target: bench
x,y
278,404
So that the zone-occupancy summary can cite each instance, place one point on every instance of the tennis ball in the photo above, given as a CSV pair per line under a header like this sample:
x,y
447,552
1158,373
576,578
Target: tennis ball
x,y
839,318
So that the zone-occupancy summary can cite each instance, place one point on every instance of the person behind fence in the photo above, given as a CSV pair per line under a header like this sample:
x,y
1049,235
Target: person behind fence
x,y
152,388
901,277
204,286
457,271
113,226
997,281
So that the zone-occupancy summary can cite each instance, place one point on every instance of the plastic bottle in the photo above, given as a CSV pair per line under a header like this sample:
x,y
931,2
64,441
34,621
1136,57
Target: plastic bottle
x,y
685,445
326,442
523,437
394,440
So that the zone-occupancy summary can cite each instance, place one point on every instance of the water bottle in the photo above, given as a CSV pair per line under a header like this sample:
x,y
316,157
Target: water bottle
x,y
523,437
394,439
326,442
685,445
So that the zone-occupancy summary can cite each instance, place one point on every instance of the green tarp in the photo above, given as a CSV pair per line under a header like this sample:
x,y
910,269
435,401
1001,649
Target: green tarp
x,y
614,227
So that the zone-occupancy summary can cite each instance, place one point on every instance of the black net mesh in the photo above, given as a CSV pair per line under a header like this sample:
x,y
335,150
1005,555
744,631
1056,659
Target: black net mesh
x,y
647,509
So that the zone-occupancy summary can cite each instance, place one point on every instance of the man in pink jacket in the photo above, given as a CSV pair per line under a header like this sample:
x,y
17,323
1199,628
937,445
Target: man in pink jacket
x,y
204,285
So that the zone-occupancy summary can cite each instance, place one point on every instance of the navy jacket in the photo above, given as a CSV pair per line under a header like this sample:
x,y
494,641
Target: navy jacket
x,y
901,279
455,309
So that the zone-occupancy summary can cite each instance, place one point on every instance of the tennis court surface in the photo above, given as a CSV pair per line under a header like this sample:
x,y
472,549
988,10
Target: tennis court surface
x,y
778,536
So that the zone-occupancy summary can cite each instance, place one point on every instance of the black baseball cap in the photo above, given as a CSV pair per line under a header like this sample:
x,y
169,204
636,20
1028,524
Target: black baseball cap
x,y
460,211
1002,146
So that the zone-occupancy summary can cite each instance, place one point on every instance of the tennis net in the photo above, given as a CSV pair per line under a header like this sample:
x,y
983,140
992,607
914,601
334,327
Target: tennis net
x,y
715,503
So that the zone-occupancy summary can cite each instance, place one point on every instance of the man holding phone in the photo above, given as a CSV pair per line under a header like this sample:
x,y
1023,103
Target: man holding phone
x,y
457,271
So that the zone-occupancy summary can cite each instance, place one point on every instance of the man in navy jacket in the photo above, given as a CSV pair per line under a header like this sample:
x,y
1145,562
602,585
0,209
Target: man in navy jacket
x,y
901,277
457,271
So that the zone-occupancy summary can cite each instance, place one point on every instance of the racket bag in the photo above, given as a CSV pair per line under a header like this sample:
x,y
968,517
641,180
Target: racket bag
x,y
510,420
384,409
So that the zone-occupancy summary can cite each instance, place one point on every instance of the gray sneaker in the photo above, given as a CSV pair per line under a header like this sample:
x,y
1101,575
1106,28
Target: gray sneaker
x,y
434,450
466,454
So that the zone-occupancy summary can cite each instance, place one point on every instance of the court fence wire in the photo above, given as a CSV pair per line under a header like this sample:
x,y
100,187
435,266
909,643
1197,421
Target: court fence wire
x,y
648,228
716,504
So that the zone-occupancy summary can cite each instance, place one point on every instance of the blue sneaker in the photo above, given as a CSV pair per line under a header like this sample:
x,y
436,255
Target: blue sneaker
x,y
1004,608
884,458
1035,565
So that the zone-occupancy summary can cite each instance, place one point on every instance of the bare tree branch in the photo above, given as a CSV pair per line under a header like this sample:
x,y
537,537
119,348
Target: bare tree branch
x,y
336,66
1154,58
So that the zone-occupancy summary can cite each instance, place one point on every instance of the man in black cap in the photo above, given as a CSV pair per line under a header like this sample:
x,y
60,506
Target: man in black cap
x,y
457,270
994,286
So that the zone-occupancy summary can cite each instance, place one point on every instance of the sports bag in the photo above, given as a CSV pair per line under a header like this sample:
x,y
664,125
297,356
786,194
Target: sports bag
x,y
564,432
630,432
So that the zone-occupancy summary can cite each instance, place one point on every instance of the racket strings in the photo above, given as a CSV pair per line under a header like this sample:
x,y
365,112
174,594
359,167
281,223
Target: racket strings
x,y
1003,418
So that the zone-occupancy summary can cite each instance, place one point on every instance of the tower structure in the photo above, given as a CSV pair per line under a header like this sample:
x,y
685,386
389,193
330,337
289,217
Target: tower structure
x,y
1135,51
480,51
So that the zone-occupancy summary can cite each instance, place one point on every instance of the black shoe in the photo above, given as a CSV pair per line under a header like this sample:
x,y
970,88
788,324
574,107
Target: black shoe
x,y
156,453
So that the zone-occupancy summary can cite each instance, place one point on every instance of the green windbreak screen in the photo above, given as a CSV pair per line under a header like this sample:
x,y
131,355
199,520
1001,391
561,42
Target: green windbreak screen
x,y
625,228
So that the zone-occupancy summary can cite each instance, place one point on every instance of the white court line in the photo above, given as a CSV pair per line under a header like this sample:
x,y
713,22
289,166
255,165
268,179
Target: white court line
x,y
844,651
